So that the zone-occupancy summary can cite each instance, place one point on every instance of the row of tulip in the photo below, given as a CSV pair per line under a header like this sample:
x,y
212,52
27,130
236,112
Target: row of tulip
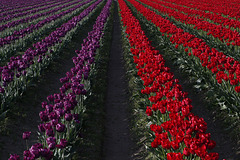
x,y
21,70
18,6
61,11
34,20
30,17
34,33
61,116
215,34
222,72
208,16
222,94
225,8
34,10
178,134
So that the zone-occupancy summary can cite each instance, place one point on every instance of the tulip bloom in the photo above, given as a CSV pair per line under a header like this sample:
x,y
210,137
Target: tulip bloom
x,y
26,135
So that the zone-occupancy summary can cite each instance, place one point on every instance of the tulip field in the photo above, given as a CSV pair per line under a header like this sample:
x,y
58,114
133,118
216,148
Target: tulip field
x,y
200,38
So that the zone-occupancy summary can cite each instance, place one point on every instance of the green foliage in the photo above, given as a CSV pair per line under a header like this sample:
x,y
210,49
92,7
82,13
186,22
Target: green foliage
x,y
137,102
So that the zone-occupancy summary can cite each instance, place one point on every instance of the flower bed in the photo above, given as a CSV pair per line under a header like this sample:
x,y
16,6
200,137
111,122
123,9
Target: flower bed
x,y
19,72
202,62
217,36
22,37
32,11
62,117
178,133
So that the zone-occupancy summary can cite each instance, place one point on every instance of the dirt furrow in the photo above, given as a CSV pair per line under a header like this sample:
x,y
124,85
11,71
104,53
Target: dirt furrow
x,y
117,143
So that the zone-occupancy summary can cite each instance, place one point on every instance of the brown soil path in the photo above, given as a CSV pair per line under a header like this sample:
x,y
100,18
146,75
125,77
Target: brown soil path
x,y
117,143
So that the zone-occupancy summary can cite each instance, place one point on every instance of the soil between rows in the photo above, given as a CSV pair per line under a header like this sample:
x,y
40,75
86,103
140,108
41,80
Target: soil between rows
x,y
227,148
117,143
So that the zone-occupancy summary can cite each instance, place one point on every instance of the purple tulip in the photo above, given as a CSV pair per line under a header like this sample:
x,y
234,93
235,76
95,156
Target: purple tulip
x,y
26,135
49,132
14,157
52,146
62,144
60,127
40,59
41,128
34,150
77,91
48,125
64,79
27,155
52,115
43,116
81,86
51,141
84,92
73,100
54,122
56,105
76,118
57,100
44,152
59,112
67,106
38,145
44,104
68,116
50,98
24,73
63,103
49,108
62,89
49,155
18,75
56,96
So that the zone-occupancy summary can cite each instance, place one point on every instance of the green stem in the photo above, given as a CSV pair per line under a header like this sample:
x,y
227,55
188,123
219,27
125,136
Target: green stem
x,y
27,144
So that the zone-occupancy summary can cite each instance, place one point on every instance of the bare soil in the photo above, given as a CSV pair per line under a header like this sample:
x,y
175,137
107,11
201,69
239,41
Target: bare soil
x,y
117,143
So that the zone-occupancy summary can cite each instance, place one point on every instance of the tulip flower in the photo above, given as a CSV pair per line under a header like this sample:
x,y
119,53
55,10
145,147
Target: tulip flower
x,y
60,127
14,157
26,135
